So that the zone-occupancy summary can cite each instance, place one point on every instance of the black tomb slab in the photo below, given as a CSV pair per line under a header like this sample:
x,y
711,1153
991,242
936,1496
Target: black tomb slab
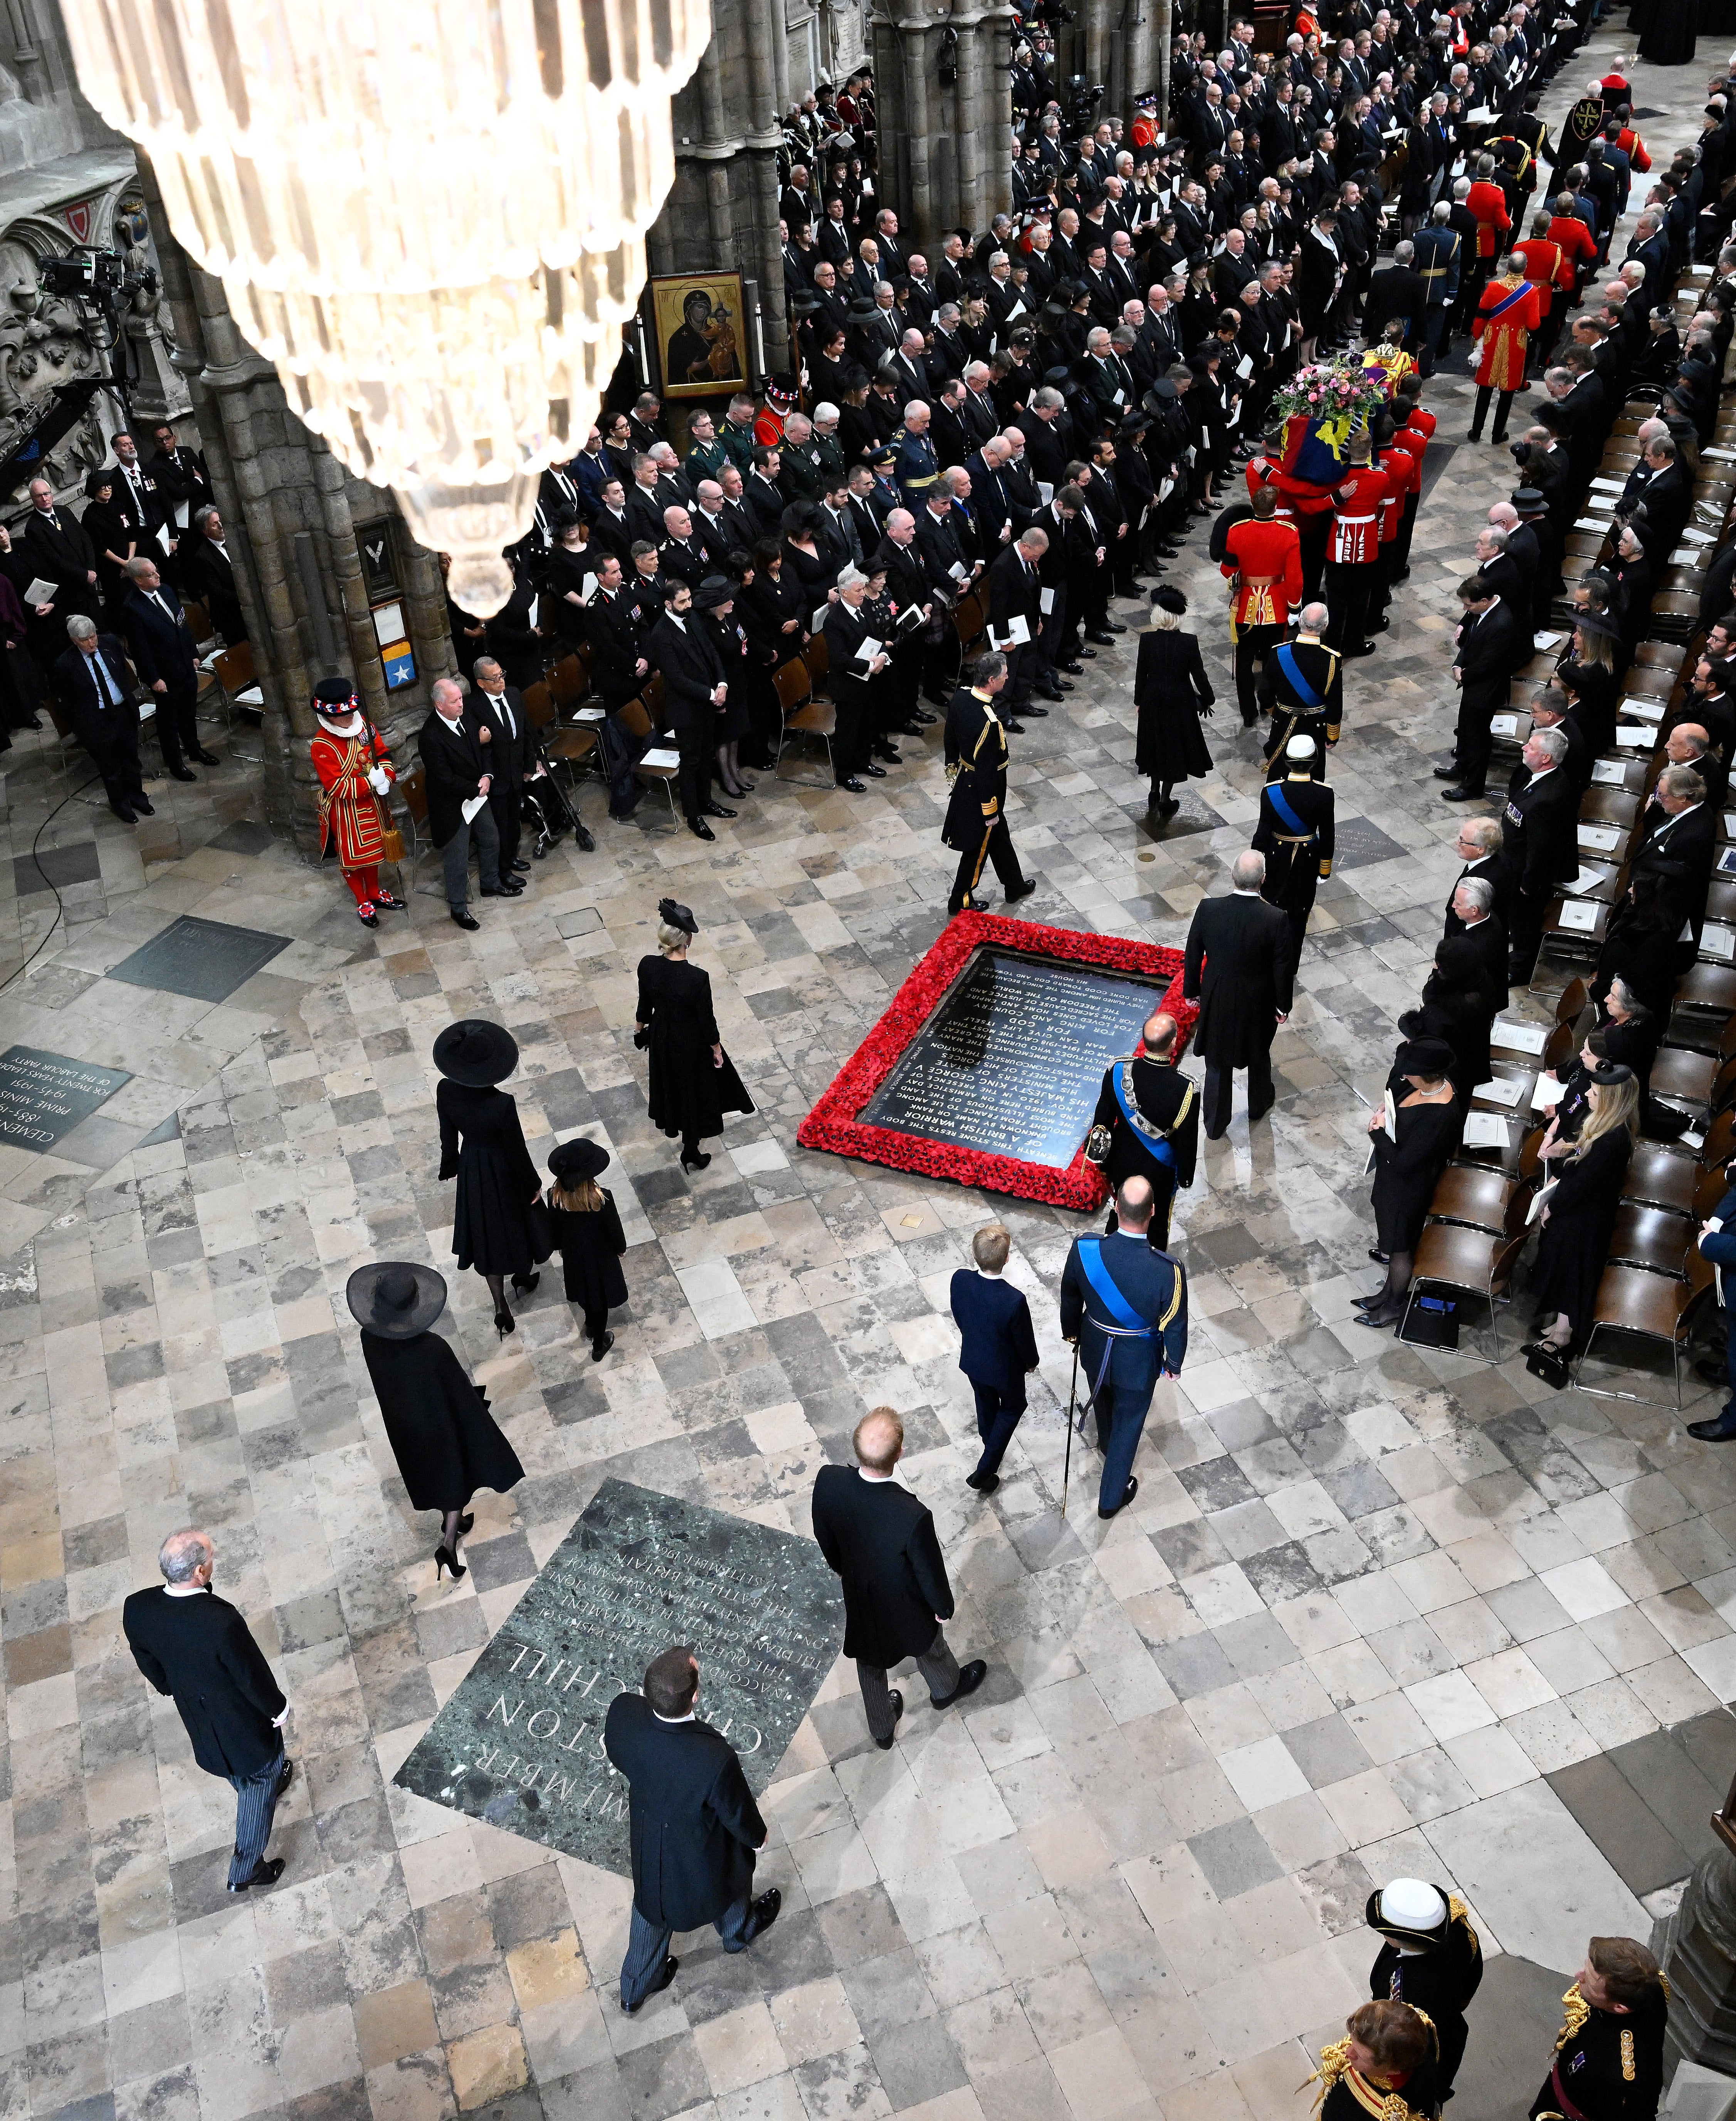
x,y
206,960
43,1096
1012,1060
520,1743
1356,843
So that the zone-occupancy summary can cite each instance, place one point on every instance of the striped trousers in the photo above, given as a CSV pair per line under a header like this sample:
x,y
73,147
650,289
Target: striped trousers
x,y
256,1800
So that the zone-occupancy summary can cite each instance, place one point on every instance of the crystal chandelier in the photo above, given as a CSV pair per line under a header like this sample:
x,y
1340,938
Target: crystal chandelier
x,y
429,214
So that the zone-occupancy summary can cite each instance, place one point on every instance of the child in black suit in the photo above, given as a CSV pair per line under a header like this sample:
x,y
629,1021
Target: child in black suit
x,y
999,1347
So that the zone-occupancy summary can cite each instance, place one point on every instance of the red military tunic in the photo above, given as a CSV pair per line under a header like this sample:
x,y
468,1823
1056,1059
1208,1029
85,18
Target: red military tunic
x,y
1634,148
1578,245
1263,470
1265,562
1403,476
349,809
1505,318
1488,202
768,426
1423,422
1356,498
1543,261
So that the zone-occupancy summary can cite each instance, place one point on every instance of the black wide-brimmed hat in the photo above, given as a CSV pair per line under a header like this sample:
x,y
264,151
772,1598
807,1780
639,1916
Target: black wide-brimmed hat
x,y
1594,622
714,590
395,1298
1169,600
675,915
476,1052
576,1159
1432,1057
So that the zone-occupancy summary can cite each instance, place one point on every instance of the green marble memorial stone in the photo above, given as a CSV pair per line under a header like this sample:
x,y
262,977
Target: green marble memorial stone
x,y
520,1743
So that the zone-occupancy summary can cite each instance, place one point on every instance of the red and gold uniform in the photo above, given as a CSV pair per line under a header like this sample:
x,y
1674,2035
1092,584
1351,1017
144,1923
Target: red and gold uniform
x,y
350,757
1403,477
1634,148
1543,260
1265,564
1488,202
1262,471
1578,248
1413,438
1356,498
1505,318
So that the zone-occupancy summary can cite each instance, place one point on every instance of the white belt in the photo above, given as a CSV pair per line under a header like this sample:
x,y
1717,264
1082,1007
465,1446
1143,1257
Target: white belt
x,y
1345,521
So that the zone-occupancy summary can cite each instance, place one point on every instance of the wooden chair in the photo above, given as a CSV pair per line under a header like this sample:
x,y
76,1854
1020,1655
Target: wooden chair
x,y
1561,941
817,657
1480,1262
413,787
1712,988
1649,1238
1660,1177
569,680
635,722
1652,1308
1658,655
564,746
1610,806
1557,1047
1720,1145
1570,1003
803,716
237,681
1690,1081
970,619
1478,1199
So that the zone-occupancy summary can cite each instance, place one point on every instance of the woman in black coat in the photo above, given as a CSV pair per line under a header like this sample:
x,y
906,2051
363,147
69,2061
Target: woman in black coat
x,y
112,529
1413,1135
1579,1211
437,1422
1171,692
1586,674
768,607
482,1145
692,1082
1457,1005
1638,947
585,1226
714,601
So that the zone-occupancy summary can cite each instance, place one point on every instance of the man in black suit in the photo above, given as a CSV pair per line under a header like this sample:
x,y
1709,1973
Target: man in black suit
x,y
100,694
1470,914
692,1825
1493,640
997,1348
880,1540
61,551
179,474
454,772
1241,967
501,724
190,1644
207,570
1537,846
1677,839
147,502
693,693
1015,592
161,645
1478,846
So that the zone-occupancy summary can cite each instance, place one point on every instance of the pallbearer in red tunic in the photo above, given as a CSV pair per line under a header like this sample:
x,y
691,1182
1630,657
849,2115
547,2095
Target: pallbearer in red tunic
x,y
1506,317
355,771
1353,552
1264,563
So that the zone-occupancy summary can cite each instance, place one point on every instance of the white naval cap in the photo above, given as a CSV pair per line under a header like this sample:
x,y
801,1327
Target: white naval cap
x,y
1300,747
1411,1903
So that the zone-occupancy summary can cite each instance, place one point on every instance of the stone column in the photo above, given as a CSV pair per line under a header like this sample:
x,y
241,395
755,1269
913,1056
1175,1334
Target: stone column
x,y
945,147
1700,1964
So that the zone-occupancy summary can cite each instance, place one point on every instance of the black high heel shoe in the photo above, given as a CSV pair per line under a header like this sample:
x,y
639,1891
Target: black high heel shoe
x,y
524,1284
693,1163
505,1323
446,1561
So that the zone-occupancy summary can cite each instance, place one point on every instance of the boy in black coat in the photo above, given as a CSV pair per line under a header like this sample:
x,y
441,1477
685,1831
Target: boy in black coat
x,y
997,1350
692,1825
880,1540
196,1645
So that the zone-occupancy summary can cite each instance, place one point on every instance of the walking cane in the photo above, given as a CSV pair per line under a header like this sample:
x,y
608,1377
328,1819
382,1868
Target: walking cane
x,y
1066,1470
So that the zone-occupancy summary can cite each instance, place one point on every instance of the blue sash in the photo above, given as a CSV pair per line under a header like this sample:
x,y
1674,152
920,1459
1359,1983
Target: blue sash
x,y
1164,1151
1305,692
1288,815
1122,1313
1501,308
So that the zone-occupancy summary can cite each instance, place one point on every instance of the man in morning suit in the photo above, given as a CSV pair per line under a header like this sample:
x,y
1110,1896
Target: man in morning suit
x,y
99,691
1151,1112
161,645
1240,967
997,1348
190,1643
501,724
880,1540
694,1828
1125,1307
454,772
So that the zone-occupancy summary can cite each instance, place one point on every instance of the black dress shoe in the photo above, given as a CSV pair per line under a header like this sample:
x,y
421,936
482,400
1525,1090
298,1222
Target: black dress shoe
x,y
1113,625
145,810
182,773
1127,1495
1023,889
205,757
855,786
504,890
1446,773
1015,727
1051,692
1063,688
874,772
890,753
367,916
897,1700
124,813
1087,655
969,1680
927,721
1037,713
1074,669
1101,640
1362,648
985,1484
658,1985
699,829
763,1913
1462,794
522,866
264,1873
464,918
718,810
1722,1430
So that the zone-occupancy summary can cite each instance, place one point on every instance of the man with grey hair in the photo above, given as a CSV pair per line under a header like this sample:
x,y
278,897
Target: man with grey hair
x,y
1539,845
456,779
1240,967
1473,916
192,1644
161,643
98,691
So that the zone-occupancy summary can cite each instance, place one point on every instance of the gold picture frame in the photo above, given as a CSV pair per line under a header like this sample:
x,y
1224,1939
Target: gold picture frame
x,y
699,323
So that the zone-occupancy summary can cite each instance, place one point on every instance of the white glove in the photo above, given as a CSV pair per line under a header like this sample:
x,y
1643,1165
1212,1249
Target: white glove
x,y
379,779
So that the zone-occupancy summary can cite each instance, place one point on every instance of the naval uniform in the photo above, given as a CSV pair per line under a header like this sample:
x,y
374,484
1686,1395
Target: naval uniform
x,y
1126,1306
975,826
1609,2064
1151,1112
1302,689
1437,1976
1295,833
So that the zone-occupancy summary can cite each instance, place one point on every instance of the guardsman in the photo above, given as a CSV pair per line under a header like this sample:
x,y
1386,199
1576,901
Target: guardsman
x,y
1384,2065
975,826
1263,562
1295,833
916,467
1353,555
1541,259
782,398
1147,1124
1609,2059
1429,1958
1404,470
1303,690
1487,203
1125,1307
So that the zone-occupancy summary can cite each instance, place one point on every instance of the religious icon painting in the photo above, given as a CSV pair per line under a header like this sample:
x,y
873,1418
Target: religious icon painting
x,y
699,329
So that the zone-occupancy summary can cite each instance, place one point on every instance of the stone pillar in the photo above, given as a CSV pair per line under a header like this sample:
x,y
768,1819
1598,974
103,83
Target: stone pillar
x,y
276,483
945,148
1700,1964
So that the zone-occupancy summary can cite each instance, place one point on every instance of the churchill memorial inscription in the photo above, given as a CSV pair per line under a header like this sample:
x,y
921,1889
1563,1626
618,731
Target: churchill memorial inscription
x,y
520,1743
1012,1059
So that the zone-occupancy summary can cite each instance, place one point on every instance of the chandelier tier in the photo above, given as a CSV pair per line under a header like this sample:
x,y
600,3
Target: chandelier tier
x,y
429,214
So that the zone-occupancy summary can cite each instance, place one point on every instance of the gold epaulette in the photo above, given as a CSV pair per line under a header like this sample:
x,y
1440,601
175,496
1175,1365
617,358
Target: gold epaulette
x,y
1577,2012
1456,1913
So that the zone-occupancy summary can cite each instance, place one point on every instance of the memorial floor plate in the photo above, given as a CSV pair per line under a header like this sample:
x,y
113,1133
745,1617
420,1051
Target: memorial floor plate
x,y
43,1096
986,1070
206,960
520,1743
